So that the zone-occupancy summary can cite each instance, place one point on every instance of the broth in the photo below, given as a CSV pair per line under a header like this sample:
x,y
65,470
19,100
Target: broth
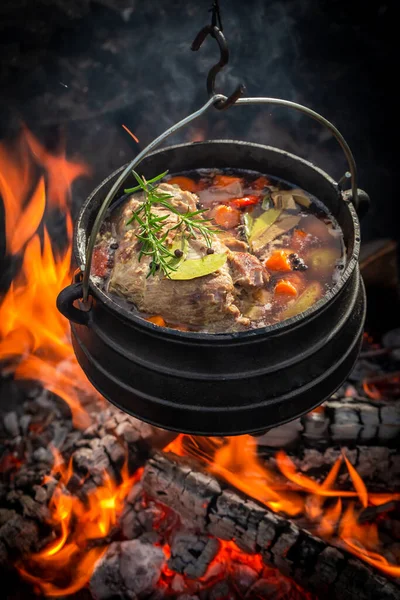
x,y
274,250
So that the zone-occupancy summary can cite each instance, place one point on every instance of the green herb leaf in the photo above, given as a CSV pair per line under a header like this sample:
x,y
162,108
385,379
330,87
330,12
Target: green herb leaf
x,y
262,223
138,187
198,267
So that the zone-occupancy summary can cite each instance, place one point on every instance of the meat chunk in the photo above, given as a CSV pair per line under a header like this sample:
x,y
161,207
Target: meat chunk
x,y
247,271
232,242
181,200
197,302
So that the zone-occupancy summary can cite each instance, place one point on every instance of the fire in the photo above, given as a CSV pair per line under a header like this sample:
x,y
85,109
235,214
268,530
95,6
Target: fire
x,y
33,335
83,525
35,345
237,462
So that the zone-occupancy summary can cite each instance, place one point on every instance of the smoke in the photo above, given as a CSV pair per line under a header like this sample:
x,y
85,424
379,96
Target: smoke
x,y
88,67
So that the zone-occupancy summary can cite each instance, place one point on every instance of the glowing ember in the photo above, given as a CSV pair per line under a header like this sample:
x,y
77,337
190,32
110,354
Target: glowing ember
x,y
130,133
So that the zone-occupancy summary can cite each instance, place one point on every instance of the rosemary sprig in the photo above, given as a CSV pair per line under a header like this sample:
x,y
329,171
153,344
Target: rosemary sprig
x,y
151,225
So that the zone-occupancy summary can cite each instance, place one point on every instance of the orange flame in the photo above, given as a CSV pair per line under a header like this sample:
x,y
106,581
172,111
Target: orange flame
x,y
33,334
80,524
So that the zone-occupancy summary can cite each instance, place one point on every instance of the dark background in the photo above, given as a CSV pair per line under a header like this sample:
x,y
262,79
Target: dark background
x,y
81,68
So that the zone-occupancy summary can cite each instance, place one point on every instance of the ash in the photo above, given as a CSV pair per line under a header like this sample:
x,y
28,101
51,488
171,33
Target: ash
x,y
181,533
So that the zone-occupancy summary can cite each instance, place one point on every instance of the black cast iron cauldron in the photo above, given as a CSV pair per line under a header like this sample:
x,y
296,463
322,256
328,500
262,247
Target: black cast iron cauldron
x,y
221,384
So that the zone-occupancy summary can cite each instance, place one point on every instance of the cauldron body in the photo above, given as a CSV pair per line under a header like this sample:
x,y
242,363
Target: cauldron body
x,y
222,384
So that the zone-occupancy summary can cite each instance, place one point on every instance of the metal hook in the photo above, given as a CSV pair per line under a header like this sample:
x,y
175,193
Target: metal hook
x,y
217,34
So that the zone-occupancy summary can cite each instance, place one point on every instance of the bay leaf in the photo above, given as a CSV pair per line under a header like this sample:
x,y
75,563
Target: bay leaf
x,y
263,223
193,268
283,199
311,294
277,229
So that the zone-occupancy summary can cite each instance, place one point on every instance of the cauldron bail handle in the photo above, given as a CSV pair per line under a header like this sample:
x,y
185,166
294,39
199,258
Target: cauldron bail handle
x,y
214,100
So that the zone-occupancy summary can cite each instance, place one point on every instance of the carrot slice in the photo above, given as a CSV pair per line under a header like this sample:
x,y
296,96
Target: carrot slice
x,y
285,287
223,180
185,183
260,183
300,232
245,201
227,216
157,320
279,261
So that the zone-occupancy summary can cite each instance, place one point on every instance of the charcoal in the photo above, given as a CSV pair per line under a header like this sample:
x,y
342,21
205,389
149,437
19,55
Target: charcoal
x,y
92,462
33,509
270,590
40,494
244,577
178,584
191,554
59,435
220,591
114,450
5,515
10,421
19,535
24,423
391,339
43,455
131,568
130,526
340,420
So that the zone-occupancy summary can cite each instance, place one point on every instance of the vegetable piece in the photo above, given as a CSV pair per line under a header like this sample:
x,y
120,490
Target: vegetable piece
x,y
157,320
322,261
185,183
267,201
227,216
248,222
100,261
283,199
284,286
191,269
301,198
245,201
316,227
279,261
274,231
224,180
262,223
311,294
300,233
260,183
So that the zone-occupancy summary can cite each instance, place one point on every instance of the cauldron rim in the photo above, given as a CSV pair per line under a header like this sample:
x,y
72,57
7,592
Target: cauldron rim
x,y
80,238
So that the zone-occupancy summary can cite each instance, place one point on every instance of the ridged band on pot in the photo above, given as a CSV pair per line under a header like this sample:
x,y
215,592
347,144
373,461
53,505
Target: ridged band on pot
x,y
233,383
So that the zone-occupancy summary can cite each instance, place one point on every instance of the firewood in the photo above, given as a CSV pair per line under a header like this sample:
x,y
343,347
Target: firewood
x,y
205,506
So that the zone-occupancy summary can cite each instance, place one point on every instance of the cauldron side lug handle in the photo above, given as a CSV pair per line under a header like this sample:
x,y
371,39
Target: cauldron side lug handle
x,y
363,202
65,304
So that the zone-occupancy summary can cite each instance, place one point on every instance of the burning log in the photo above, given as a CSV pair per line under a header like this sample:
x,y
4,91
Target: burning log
x,y
340,421
205,506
